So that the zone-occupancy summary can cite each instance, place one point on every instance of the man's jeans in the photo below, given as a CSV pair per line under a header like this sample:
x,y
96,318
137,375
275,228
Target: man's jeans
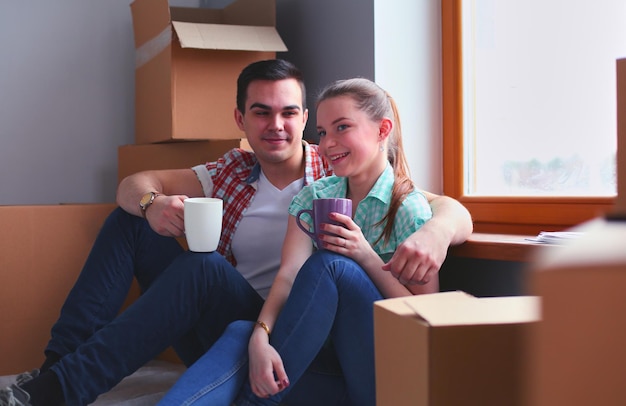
x,y
188,301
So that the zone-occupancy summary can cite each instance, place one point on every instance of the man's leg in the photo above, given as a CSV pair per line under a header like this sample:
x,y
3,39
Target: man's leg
x,y
197,291
126,246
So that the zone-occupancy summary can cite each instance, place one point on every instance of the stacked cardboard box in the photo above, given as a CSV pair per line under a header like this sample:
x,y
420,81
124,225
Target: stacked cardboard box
x,y
187,64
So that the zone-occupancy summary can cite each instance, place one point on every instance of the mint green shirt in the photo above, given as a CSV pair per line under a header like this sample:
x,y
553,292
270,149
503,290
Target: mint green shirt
x,y
412,214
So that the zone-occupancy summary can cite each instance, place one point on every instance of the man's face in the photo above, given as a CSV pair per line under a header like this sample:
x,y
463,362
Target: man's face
x,y
274,119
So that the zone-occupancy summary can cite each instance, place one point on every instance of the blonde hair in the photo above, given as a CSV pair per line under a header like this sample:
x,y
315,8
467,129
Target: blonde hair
x,y
377,104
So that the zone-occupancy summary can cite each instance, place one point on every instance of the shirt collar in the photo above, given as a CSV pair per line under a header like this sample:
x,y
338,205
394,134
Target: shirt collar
x,y
309,158
380,190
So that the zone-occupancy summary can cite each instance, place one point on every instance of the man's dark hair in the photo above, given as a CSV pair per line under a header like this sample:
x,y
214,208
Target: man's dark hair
x,y
271,69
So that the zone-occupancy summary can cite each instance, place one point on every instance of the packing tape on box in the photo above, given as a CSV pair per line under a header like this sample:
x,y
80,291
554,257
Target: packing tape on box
x,y
153,47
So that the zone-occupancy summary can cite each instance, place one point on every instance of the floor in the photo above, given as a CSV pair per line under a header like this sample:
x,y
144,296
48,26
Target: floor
x,y
143,388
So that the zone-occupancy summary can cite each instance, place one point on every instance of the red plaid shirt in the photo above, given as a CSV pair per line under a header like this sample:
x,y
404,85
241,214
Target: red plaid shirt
x,y
233,177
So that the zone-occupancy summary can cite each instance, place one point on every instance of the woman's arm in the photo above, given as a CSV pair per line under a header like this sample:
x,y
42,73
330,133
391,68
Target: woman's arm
x,y
297,248
264,360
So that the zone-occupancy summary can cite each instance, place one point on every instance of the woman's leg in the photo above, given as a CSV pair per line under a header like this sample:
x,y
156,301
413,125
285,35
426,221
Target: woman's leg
x,y
328,286
353,335
126,246
216,378
200,292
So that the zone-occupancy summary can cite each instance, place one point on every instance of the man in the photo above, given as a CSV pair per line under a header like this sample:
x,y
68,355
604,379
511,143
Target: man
x,y
190,298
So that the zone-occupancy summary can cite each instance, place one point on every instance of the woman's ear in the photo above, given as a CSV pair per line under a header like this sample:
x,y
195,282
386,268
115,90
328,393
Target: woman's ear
x,y
386,125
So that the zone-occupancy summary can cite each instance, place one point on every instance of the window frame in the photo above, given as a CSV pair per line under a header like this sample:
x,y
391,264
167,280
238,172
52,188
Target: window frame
x,y
505,215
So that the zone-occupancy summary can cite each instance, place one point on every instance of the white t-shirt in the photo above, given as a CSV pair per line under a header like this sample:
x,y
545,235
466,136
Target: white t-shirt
x,y
258,240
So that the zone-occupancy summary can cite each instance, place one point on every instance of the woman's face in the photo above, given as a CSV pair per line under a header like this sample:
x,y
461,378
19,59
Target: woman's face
x,y
349,139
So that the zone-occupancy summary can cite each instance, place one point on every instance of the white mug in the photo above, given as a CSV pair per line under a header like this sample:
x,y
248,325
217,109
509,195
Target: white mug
x,y
203,223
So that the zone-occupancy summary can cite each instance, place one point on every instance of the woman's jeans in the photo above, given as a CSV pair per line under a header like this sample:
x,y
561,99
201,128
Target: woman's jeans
x,y
188,301
331,302
217,377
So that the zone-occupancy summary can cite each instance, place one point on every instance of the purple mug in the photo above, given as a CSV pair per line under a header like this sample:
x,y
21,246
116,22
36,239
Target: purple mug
x,y
320,215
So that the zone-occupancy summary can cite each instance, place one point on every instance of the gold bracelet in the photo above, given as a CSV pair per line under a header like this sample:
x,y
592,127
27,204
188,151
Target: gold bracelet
x,y
265,327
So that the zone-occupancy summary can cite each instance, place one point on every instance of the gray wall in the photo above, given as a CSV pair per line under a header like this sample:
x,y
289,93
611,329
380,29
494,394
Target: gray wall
x,y
66,99
67,84
328,40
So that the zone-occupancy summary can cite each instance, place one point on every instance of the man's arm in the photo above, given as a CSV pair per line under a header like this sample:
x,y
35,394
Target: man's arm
x,y
420,256
451,217
165,214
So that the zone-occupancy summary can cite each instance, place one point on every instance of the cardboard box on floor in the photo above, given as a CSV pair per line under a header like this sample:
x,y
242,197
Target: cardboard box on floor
x,y
187,64
175,155
577,350
42,251
451,348
577,354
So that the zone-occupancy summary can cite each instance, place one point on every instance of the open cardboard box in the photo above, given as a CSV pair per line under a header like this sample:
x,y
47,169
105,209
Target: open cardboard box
x,y
187,64
452,348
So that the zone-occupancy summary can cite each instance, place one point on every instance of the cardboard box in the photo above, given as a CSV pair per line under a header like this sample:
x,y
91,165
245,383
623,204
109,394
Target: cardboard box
x,y
187,64
42,251
577,350
176,155
451,348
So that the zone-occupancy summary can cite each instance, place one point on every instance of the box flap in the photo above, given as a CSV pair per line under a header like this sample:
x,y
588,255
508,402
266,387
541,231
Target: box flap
x,y
451,311
228,37
399,306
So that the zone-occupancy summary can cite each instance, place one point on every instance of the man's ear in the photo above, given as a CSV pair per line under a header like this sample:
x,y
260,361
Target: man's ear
x,y
305,115
386,125
239,119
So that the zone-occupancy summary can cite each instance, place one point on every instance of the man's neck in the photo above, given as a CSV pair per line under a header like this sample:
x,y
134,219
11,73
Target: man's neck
x,y
284,173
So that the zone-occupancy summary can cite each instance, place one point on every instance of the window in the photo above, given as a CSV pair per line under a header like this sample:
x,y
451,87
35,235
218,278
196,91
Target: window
x,y
529,110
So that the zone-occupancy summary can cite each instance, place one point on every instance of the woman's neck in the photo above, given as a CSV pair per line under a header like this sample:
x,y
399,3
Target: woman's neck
x,y
360,186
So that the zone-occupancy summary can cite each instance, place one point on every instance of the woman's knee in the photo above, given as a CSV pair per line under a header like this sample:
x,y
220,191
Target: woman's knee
x,y
328,261
240,327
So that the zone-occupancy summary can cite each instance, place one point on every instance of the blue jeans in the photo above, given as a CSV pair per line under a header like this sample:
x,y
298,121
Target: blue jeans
x,y
331,302
217,377
188,300
332,297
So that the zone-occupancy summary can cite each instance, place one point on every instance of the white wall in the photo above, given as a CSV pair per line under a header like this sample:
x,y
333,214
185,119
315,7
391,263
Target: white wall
x,y
67,84
408,66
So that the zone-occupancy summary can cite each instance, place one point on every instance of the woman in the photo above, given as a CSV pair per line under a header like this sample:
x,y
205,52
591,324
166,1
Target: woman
x,y
321,301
